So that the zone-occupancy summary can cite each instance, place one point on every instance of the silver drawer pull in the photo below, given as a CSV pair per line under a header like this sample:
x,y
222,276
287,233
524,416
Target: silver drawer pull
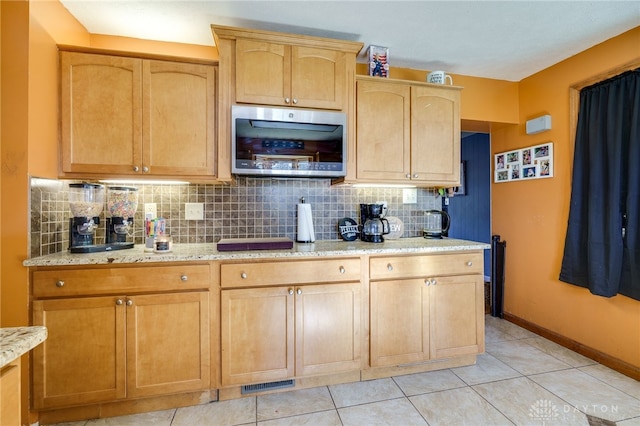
x,y
184,277
243,275
119,302
469,263
299,291
129,302
290,291
427,282
389,267
342,270
136,168
60,283
434,282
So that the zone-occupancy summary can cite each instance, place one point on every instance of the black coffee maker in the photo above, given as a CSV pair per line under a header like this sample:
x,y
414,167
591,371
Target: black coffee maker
x,y
373,226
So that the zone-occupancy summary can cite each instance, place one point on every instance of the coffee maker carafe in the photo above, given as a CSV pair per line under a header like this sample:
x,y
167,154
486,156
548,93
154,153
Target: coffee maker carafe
x,y
436,224
373,225
86,201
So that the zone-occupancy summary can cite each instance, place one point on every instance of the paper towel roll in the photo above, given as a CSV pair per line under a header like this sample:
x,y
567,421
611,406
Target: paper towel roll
x,y
305,224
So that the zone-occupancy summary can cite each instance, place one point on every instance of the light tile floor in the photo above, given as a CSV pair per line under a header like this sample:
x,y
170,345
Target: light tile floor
x,y
522,379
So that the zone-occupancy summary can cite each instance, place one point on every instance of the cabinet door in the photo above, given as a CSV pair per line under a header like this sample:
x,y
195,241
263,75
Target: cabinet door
x,y
382,131
83,359
399,322
263,72
257,335
435,135
167,343
457,316
10,394
101,120
179,118
318,77
327,328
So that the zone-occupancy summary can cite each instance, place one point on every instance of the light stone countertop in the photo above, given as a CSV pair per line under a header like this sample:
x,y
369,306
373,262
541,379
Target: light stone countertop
x,y
207,252
16,341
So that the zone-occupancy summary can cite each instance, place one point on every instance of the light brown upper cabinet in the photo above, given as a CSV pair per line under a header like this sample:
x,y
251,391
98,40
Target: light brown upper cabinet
x,y
125,116
279,74
269,68
407,132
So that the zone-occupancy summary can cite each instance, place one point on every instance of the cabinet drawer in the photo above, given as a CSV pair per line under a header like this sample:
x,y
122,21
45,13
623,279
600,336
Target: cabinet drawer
x,y
291,272
392,267
96,281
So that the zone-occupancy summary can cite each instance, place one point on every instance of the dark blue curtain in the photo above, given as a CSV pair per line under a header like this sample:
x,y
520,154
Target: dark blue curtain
x,y
602,251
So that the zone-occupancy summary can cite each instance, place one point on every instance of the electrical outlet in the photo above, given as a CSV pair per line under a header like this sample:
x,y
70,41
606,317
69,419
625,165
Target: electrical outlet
x,y
194,211
150,210
409,195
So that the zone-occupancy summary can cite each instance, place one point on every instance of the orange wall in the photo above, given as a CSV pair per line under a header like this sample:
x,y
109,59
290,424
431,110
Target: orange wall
x,y
532,215
14,184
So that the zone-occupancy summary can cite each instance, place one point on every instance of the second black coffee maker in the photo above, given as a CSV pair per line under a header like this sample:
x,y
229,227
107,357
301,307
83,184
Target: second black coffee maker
x,y
373,225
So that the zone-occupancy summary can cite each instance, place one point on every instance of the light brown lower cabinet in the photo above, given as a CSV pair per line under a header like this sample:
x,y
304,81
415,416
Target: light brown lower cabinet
x,y
279,332
10,394
120,346
426,316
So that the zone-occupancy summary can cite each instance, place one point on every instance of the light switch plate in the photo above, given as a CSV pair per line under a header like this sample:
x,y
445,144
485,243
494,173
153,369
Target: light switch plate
x,y
194,211
409,195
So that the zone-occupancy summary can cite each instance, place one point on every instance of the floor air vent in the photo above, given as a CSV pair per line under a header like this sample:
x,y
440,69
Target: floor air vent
x,y
268,386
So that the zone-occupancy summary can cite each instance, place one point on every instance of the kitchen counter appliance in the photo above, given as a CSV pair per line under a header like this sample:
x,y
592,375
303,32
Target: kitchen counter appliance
x,y
374,226
122,203
289,142
86,201
436,224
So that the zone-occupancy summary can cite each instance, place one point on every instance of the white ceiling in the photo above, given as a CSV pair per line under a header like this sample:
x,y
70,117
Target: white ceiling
x,y
507,40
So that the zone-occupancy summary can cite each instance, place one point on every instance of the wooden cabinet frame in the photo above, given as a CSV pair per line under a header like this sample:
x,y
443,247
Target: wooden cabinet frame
x,y
407,132
124,116
154,338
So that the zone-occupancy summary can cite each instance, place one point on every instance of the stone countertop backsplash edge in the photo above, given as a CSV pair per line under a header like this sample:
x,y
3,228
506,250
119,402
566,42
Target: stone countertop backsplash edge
x,y
209,252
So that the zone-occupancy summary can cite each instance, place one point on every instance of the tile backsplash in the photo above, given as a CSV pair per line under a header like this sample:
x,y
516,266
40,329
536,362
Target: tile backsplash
x,y
252,207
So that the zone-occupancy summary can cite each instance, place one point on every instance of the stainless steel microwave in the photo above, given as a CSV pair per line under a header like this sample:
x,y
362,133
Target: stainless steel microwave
x,y
288,142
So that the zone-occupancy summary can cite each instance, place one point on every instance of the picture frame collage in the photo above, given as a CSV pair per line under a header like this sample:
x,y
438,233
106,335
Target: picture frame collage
x,y
534,162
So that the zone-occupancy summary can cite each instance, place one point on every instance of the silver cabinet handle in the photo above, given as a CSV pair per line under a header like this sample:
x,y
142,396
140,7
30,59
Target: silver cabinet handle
x,y
243,275
295,101
287,100
389,267
290,291
184,277
415,175
469,263
427,282
342,270
136,169
129,302
145,169
299,291
118,301
434,282
408,176
60,283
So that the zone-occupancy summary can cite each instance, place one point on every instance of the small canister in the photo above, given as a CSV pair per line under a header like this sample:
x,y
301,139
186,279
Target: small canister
x,y
162,244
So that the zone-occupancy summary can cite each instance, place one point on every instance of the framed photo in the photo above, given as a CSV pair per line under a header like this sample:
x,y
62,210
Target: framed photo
x,y
534,162
462,189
